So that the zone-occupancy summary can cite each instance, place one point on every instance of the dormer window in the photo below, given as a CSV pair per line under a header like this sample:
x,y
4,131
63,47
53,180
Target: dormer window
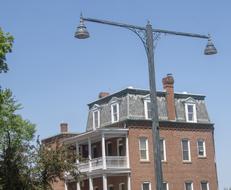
x,y
114,112
95,116
96,119
190,110
147,109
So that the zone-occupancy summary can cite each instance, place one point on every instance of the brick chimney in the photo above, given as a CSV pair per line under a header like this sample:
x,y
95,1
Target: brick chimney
x,y
63,128
168,85
103,94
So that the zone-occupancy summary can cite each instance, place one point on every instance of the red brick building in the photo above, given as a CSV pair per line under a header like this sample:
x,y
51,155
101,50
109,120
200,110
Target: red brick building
x,y
116,148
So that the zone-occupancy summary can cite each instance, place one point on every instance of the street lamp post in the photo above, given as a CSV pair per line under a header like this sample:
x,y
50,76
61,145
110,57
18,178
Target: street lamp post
x,y
148,35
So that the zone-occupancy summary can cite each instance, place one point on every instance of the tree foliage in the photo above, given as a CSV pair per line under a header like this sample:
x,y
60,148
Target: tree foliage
x,y
15,136
6,43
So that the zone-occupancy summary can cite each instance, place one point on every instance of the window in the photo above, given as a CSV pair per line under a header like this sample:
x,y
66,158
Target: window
x,y
165,186
190,110
115,112
96,188
94,151
204,185
162,150
188,185
96,119
201,148
109,149
146,186
110,187
186,150
121,186
120,147
147,109
143,145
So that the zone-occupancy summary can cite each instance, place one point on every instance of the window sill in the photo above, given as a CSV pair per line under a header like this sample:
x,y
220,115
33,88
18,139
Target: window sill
x,y
187,162
145,161
202,157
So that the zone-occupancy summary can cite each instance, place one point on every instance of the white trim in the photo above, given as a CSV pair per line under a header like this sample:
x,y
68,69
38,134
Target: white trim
x,y
204,148
93,118
147,151
112,112
189,151
164,150
146,182
194,119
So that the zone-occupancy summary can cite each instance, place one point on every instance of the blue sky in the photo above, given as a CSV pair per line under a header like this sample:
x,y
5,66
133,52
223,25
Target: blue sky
x,y
54,76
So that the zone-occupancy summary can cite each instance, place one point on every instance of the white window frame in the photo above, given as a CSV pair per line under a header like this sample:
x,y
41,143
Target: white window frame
x,y
206,183
146,182
164,182
190,183
120,186
119,143
204,148
189,150
194,120
147,151
146,109
164,150
98,123
112,112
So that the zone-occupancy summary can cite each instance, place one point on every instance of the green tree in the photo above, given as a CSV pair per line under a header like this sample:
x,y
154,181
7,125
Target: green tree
x,y
51,164
15,136
6,43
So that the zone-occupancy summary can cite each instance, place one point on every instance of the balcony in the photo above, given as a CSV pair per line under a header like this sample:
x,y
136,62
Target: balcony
x,y
111,162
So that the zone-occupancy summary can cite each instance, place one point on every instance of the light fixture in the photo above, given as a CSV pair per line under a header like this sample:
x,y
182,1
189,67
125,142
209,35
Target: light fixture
x,y
81,32
210,48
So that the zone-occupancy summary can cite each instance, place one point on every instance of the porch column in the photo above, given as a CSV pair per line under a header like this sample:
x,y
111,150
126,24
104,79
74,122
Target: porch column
x,y
89,153
65,185
129,182
103,152
127,152
104,182
78,186
90,183
77,152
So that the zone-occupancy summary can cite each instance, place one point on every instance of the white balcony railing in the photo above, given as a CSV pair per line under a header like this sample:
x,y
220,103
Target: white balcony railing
x,y
112,162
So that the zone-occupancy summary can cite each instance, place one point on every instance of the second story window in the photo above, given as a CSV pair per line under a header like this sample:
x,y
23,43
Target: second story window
x,y
204,185
201,148
188,185
186,150
165,186
114,112
146,186
96,119
162,150
143,146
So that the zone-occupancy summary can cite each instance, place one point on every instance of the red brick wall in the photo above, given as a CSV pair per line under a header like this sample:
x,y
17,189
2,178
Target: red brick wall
x,y
175,172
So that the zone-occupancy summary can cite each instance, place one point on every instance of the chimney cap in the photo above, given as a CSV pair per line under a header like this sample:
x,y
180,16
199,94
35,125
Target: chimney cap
x,y
64,127
103,94
168,80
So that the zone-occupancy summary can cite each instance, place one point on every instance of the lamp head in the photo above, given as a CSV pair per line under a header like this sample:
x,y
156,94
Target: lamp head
x,y
210,48
81,32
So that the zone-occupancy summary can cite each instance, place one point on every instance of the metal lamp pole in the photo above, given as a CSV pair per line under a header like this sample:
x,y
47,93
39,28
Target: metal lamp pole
x,y
148,35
